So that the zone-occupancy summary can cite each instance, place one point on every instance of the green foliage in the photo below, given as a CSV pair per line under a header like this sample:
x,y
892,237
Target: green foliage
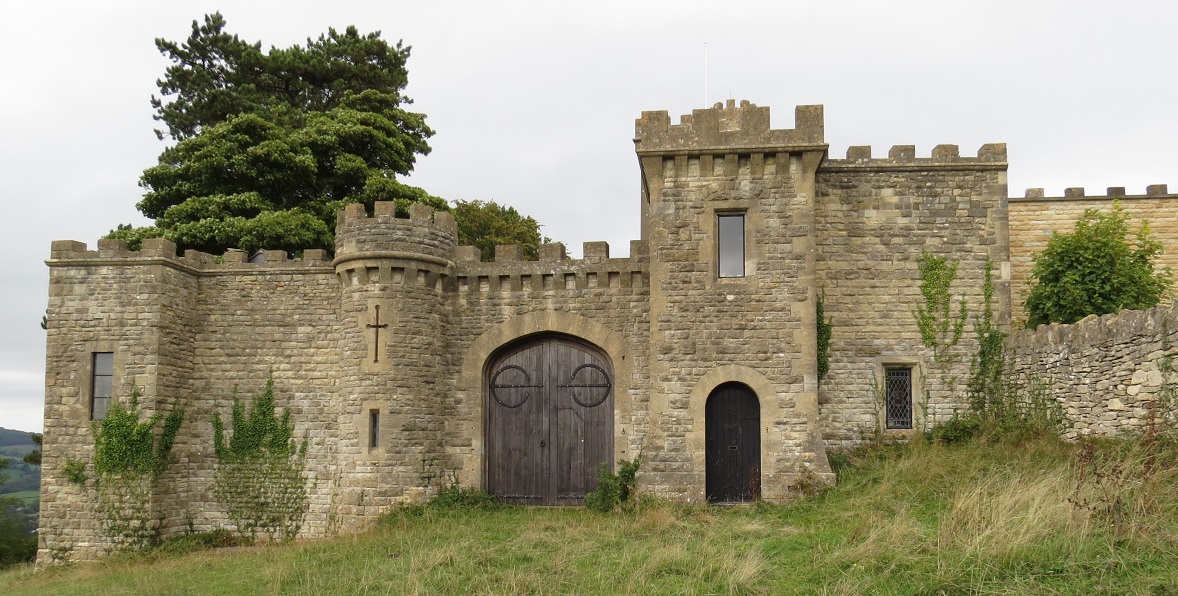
x,y
972,518
456,497
487,224
940,330
215,75
985,386
271,145
128,458
260,476
824,330
124,444
33,458
18,538
1096,269
74,471
613,490
961,428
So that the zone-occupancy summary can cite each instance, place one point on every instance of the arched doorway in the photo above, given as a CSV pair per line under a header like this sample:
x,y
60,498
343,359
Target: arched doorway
x,y
733,435
549,422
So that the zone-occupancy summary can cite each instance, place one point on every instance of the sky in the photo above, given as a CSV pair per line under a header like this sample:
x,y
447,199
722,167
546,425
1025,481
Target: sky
x,y
534,103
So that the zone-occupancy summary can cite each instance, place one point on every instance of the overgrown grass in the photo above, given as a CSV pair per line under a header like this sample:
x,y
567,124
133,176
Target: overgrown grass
x,y
1032,515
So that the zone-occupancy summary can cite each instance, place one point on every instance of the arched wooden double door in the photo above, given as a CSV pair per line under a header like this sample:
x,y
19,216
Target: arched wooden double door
x,y
550,414
733,436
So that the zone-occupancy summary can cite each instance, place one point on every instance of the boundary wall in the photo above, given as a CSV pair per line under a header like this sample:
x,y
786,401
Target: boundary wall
x,y
1107,372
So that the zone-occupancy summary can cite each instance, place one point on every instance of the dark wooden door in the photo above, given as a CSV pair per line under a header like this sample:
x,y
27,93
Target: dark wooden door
x,y
733,436
549,421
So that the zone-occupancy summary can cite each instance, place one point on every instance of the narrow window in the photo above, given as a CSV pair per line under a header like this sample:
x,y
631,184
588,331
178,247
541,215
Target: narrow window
x,y
101,383
898,383
730,241
373,429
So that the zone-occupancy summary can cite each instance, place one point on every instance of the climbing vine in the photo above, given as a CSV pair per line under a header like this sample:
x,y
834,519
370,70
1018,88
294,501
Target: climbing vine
x,y
940,329
985,386
260,477
825,329
128,459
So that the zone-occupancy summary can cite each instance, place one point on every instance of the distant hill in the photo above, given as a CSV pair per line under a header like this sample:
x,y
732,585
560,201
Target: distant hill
x,y
14,444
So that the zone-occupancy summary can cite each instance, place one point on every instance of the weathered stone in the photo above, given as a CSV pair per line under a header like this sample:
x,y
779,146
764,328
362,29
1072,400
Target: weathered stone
x,y
398,330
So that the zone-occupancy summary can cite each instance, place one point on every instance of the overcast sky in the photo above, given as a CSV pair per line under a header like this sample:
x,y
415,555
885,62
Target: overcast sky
x,y
534,103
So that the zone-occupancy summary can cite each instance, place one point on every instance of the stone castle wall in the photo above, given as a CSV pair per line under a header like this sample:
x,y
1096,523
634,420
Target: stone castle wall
x,y
600,299
401,324
1034,217
1106,372
185,332
874,218
706,329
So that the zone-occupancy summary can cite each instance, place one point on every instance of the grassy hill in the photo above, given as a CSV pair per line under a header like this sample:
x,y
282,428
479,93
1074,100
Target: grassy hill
x,y
21,477
1016,516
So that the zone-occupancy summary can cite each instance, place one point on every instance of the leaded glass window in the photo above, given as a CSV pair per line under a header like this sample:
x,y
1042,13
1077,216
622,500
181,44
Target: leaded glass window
x,y
898,385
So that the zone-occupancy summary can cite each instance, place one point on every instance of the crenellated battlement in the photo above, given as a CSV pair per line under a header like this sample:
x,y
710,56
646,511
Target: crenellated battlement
x,y
71,253
553,271
425,235
990,156
727,129
1079,192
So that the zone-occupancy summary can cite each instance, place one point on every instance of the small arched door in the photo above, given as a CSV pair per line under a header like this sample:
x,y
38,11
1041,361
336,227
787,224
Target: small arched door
x,y
549,404
733,435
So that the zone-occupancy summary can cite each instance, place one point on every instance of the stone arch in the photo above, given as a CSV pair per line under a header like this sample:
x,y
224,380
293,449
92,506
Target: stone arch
x,y
468,391
696,437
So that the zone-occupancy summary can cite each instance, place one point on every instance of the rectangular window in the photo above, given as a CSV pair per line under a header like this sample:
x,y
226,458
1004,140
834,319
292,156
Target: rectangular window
x,y
373,429
898,384
730,244
102,375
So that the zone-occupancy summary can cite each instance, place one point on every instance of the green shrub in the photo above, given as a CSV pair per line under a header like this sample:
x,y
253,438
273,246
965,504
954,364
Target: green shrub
x,y
1100,267
613,490
958,429
462,498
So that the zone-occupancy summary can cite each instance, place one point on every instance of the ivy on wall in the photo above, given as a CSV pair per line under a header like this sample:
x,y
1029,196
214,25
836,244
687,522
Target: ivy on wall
x,y
940,329
260,477
128,459
825,329
985,387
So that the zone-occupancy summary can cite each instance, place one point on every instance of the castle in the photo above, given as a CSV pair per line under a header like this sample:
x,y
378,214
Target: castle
x,y
402,356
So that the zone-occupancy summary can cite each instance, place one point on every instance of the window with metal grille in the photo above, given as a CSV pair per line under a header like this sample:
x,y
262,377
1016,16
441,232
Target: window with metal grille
x,y
102,374
898,385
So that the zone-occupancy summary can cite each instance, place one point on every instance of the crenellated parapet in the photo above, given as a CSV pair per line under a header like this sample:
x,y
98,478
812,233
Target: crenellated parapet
x,y
727,128
159,251
424,234
991,156
553,271
1079,192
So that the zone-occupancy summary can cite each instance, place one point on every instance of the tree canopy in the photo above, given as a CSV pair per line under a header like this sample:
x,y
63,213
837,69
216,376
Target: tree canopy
x,y
271,144
1096,269
487,224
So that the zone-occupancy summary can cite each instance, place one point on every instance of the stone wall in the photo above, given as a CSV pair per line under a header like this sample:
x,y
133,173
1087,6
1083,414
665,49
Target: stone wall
x,y
602,300
757,328
1105,371
874,217
186,332
1034,217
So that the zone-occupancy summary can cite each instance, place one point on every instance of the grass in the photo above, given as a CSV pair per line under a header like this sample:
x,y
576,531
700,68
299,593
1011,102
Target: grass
x,y
28,496
1036,516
